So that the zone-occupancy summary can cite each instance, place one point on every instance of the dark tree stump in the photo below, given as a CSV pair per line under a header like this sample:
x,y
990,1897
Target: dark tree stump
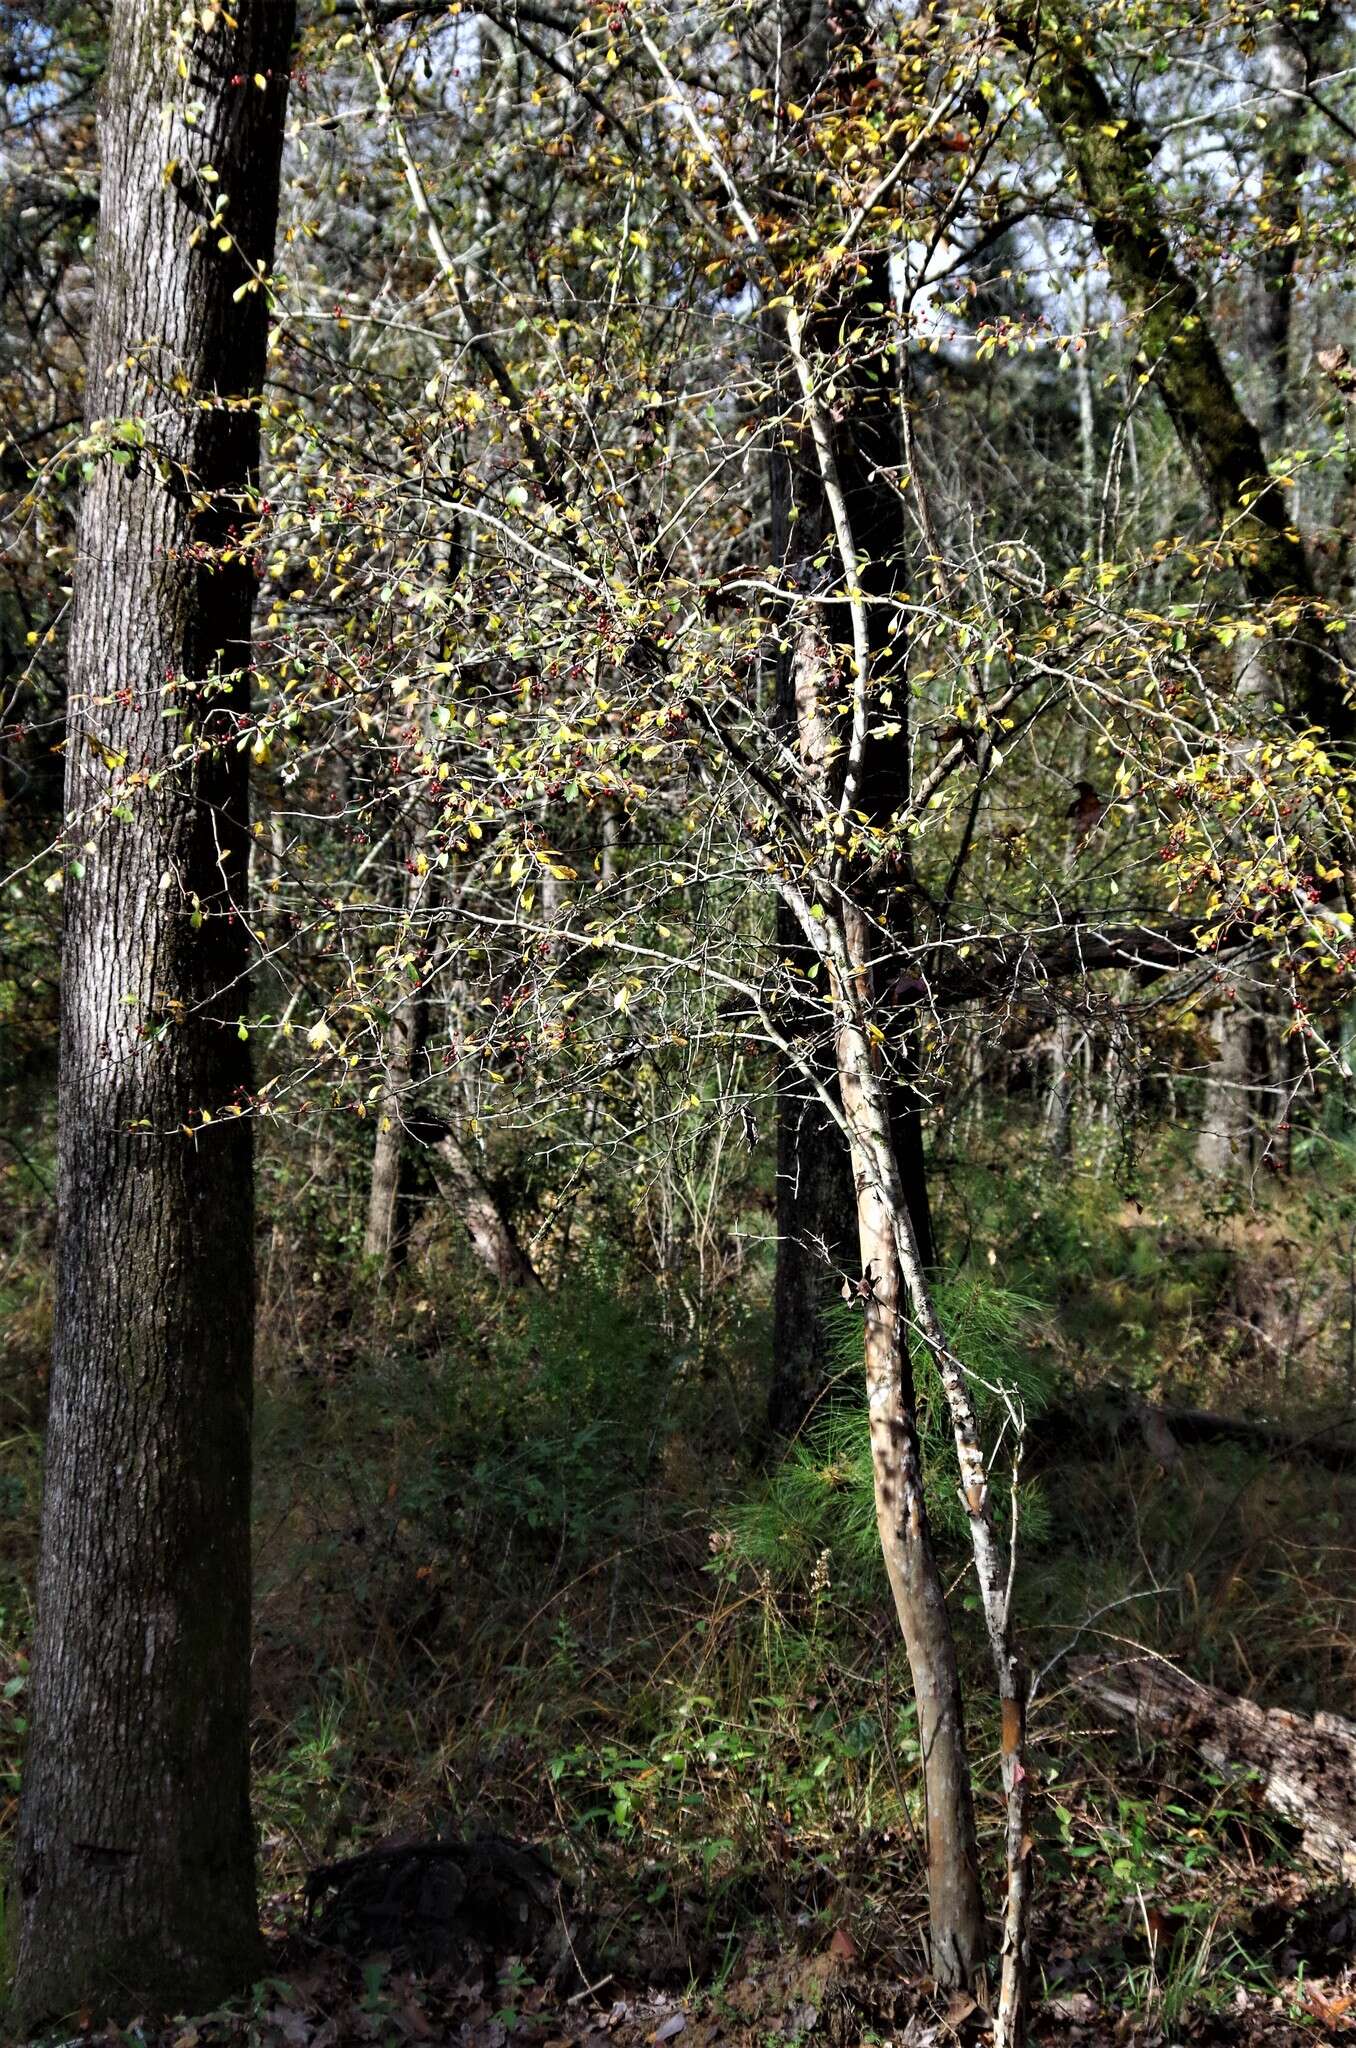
x,y
433,1904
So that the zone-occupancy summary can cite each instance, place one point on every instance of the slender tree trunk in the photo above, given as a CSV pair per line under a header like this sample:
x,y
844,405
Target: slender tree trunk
x,y
491,1232
386,1236
134,1873
884,1132
858,517
887,1228
955,1901
883,1145
1245,1092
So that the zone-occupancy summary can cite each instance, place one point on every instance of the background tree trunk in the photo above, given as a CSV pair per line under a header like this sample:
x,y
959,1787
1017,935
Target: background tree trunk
x,y
467,1194
135,1863
815,1242
1226,1139
1246,1092
386,1236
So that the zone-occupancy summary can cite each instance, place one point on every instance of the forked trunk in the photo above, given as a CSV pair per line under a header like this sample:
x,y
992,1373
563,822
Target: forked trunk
x,y
904,1287
955,1900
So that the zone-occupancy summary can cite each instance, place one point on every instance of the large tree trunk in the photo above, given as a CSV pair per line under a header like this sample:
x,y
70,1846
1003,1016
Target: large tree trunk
x,y
135,1864
815,1203
1305,1770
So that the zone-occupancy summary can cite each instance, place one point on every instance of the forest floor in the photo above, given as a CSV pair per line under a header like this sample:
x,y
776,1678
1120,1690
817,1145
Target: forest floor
x,y
1269,1968
525,1570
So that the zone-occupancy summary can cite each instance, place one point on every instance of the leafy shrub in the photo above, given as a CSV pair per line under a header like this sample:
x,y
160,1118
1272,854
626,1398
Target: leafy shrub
x,y
560,1436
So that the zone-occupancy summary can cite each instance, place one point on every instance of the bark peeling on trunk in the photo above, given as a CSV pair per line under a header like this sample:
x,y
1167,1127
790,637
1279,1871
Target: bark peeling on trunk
x,y
833,494
134,1874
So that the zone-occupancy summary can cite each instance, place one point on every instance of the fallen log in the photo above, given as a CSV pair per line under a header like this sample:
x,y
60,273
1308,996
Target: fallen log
x,y
1304,1770
1200,1426
1112,1415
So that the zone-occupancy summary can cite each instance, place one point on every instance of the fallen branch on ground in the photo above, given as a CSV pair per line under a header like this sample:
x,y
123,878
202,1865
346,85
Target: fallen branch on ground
x,y
1305,1769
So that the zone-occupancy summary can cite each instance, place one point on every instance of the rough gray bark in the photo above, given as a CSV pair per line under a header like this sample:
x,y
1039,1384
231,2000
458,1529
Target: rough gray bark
x,y
1225,1142
134,1873
1304,1769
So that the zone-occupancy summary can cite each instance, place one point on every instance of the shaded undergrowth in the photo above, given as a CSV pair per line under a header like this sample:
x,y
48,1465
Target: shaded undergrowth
x,y
524,1566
